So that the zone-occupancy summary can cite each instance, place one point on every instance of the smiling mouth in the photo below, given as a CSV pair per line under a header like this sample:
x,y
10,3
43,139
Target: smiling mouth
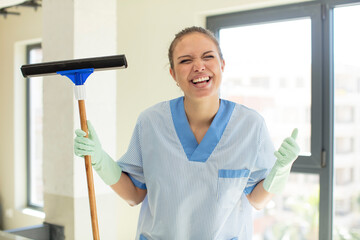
x,y
201,80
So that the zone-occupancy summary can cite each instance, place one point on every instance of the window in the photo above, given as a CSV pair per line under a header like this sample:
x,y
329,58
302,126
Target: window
x,y
275,61
347,123
267,55
270,64
344,145
298,66
342,209
344,114
286,216
343,175
34,132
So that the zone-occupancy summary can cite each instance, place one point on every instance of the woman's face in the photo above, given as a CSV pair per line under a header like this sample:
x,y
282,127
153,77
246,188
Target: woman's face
x,y
197,66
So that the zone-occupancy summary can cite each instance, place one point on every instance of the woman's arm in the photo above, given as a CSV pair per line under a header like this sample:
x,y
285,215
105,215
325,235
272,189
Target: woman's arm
x,y
277,178
128,191
109,171
259,197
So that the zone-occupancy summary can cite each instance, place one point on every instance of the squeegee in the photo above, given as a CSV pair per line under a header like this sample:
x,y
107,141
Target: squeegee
x,y
78,70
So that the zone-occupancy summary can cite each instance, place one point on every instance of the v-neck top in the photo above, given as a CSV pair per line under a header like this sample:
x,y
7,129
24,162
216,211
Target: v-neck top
x,y
194,151
197,191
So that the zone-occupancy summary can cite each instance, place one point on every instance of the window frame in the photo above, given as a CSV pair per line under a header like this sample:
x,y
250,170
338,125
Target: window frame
x,y
321,161
29,203
312,163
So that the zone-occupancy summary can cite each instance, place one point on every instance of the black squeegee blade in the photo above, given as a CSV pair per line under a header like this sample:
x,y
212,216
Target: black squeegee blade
x,y
97,63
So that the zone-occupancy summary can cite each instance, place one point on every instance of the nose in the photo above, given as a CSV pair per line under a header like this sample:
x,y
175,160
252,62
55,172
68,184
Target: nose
x,y
199,66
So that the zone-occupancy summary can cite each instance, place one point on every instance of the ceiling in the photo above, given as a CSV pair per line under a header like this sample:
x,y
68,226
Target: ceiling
x,y
5,6
10,3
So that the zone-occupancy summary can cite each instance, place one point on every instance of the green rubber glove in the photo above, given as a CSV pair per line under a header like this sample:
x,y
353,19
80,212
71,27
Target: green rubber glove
x,y
104,165
289,150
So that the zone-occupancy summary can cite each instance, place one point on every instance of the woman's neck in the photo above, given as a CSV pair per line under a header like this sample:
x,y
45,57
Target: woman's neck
x,y
201,112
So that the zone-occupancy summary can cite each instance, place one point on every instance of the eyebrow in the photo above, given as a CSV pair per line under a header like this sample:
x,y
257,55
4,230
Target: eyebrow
x,y
184,56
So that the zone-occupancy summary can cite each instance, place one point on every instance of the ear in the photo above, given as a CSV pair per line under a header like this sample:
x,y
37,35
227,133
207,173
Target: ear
x,y
172,73
222,65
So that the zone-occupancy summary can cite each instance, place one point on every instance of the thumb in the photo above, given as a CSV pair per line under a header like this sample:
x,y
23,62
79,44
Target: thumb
x,y
92,132
80,133
294,133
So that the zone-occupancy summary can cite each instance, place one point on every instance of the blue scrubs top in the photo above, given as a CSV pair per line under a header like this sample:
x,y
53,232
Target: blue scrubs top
x,y
197,191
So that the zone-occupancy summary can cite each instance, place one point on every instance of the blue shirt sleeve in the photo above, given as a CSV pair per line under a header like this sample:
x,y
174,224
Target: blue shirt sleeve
x,y
265,159
131,162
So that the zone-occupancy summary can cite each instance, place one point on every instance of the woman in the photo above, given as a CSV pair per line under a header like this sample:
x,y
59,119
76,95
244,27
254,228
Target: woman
x,y
196,163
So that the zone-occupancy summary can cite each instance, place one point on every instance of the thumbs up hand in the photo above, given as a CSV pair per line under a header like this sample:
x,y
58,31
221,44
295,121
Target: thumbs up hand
x,y
288,151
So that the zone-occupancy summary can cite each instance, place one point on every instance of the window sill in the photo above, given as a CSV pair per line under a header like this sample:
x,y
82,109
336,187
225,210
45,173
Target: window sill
x,y
34,213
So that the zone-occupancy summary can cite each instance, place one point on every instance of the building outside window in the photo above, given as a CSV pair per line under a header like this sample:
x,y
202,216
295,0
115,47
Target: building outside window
x,y
347,123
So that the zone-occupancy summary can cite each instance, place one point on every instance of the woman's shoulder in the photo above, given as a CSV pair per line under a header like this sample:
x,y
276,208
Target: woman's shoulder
x,y
159,109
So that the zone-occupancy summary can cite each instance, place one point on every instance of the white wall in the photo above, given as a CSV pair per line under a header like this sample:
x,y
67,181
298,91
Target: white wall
x,y
15,32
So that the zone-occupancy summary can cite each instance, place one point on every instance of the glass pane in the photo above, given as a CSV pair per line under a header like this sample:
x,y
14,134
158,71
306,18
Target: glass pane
x,y
268,68
347,123
294,214
35,125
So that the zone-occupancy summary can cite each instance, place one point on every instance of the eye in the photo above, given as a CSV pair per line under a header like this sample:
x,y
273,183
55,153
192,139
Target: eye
x,y
209,56
185,61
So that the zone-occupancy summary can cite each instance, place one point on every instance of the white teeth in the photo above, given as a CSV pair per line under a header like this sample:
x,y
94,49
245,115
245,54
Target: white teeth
x,y
202,79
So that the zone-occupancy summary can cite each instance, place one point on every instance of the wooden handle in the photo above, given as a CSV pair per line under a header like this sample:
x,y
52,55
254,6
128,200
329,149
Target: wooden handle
x,y
89,175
